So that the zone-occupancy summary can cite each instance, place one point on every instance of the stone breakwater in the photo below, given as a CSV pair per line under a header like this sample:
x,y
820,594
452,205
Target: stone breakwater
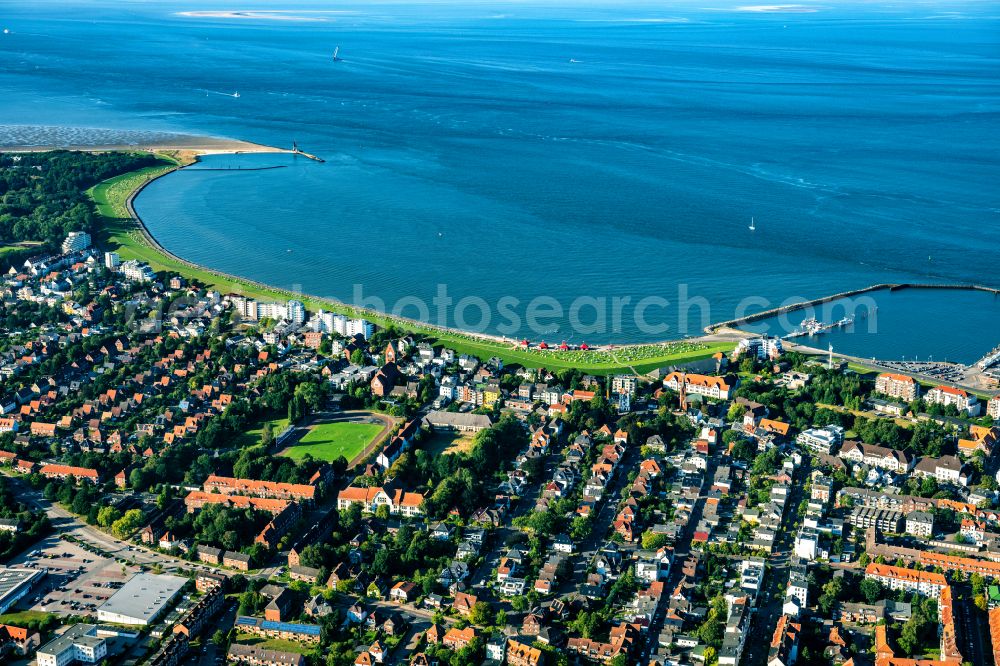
x,y
792,307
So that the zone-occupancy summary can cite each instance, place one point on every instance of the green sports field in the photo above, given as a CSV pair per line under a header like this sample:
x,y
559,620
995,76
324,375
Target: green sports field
x,y
329,441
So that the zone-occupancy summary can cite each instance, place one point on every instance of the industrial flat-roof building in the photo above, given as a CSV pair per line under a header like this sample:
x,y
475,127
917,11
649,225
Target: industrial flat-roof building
x,y
141,600
15,583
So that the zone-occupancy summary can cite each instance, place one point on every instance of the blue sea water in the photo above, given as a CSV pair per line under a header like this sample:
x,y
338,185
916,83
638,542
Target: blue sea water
x,y
523,152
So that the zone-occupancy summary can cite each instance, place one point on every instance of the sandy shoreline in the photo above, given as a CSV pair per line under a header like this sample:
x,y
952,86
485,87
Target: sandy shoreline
x,y
196,145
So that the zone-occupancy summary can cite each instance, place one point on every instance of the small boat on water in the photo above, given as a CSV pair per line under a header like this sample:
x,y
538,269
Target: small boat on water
x,y
336,55
753,225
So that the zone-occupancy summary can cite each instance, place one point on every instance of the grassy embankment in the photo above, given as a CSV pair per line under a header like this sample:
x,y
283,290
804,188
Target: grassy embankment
x,y
120,232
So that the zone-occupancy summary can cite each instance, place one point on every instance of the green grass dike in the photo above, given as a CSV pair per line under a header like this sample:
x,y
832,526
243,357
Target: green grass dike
x,y
121,232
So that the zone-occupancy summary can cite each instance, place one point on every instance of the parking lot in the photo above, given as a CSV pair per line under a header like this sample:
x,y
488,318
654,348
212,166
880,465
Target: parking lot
x,y
78,580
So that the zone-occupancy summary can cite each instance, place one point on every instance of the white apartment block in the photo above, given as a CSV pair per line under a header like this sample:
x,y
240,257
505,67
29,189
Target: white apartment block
x,y
329,322
822,440
947,395
80,643
295,312
136,271
993,408
762,348
76,241
112,261
626,384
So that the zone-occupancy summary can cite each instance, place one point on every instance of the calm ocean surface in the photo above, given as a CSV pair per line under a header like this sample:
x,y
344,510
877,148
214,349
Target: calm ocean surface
x,y
508,150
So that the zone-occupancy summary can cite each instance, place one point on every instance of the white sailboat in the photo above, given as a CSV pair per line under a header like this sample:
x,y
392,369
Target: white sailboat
x,y
753,225
336,54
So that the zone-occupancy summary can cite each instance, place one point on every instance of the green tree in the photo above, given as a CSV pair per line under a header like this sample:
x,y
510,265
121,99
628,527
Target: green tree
x,y
107,515
127,524
871,589
482,614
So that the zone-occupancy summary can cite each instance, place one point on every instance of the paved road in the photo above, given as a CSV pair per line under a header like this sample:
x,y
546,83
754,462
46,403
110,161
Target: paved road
x,y
973,628
771,597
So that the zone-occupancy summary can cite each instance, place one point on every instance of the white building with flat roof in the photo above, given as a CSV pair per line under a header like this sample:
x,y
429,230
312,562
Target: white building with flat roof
x,y
79,643
762,348
822,440
76,241
141,600
15,583
993,408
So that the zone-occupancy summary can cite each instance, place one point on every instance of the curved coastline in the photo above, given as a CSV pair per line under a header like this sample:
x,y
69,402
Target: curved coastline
x,y
334,303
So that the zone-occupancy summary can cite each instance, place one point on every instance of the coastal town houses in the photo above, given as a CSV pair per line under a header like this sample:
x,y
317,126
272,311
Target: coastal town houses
x,y
251,488
822,440
705,385
398,501
993,408
946,469
876,456
926,583
897,386
965,402
762,348
784,648
981,439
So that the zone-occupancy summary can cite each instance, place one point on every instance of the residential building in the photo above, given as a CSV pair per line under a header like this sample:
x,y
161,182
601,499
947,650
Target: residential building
x,y
926,583
255,656
897,386
993,408
271,489
304,633
136,271
763,348
519,654
76,241
784,648
884,520
823,440
398,501
880,457
963,401
295,312
66,471
706,385
624,384
946,469
920,523
78,644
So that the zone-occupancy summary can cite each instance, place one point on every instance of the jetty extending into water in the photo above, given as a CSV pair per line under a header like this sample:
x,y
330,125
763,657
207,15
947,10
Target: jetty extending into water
x,y
296,151
792,307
